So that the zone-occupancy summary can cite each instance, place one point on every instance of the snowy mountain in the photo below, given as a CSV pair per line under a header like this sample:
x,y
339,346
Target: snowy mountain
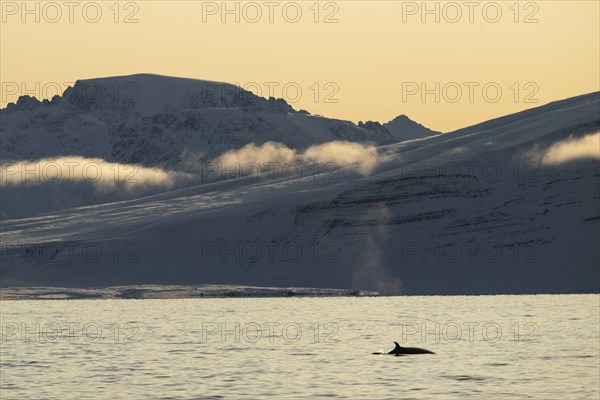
x,y
155,120
400,128
404,128
176,124
509,205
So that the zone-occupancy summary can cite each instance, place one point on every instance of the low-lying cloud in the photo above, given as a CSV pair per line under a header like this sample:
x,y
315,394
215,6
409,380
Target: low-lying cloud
x,y
356,156
269,152
586,147
104,175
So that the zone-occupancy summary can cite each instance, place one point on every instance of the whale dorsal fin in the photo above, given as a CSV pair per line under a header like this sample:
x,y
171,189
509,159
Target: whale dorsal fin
x,y
396,350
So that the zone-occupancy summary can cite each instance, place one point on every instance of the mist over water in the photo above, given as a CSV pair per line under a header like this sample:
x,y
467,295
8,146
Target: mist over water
x,y
500,347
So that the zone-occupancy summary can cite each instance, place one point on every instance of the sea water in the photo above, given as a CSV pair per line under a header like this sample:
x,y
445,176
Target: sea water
x,y
492,347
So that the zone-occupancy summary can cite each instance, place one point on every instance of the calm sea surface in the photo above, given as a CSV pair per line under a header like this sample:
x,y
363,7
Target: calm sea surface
x,y
489,347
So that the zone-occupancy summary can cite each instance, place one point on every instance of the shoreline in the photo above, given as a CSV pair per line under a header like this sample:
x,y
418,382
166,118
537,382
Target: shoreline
x,y
212,291
170,292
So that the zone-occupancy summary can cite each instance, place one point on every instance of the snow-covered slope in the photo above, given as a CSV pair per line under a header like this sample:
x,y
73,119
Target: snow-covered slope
x,y
479,210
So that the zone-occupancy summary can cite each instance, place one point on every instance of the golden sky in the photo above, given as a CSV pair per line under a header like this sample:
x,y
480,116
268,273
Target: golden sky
x,y
354,60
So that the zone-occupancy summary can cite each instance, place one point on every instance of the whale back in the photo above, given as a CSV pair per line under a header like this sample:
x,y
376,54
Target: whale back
x,y
399,350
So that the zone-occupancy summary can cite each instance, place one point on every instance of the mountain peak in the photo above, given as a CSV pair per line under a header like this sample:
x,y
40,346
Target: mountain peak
x,y
404,128
401,117
151,93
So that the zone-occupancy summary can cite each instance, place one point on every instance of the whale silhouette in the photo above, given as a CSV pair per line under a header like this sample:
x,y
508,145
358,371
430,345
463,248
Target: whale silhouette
x,y
399,350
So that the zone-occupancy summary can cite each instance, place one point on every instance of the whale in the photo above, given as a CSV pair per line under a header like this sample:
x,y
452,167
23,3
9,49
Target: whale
x,y
399,350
